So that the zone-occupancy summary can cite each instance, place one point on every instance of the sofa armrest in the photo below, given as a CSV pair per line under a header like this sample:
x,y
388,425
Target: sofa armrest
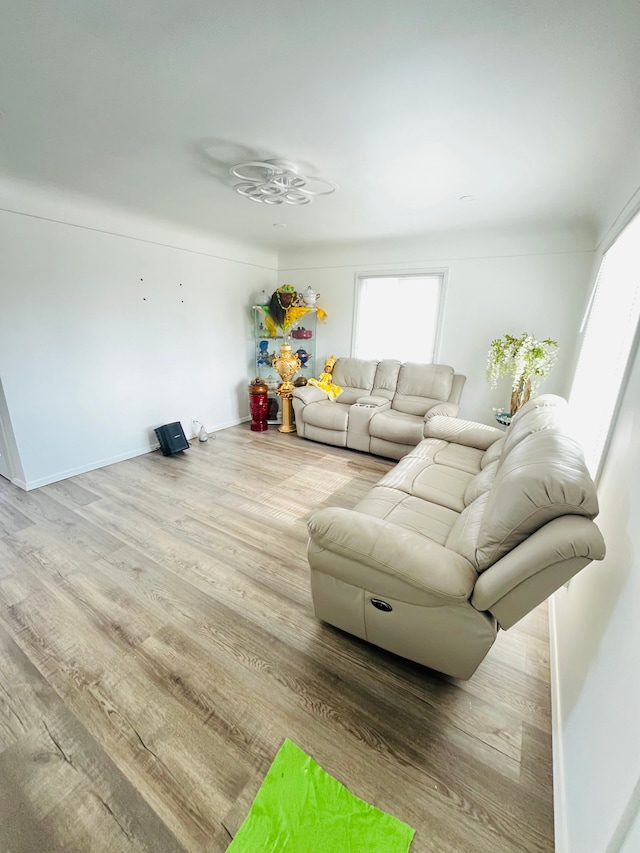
x,y
456,387
310,394
449,410
389,548
537,567
374,402
458,431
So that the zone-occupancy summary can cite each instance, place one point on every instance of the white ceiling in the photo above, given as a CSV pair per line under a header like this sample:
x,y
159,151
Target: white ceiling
x,y
407,105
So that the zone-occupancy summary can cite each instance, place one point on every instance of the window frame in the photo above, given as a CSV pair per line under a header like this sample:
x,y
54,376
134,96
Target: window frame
x,y
441,272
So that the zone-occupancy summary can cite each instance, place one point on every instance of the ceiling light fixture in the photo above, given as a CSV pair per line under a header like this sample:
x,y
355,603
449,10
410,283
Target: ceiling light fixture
x,y
278,182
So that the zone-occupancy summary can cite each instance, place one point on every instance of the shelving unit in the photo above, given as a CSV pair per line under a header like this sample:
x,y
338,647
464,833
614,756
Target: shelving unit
x,y
301,336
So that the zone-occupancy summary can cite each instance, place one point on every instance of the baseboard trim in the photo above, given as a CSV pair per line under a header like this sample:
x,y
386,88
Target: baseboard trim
x,y
559,779
28,485
82,469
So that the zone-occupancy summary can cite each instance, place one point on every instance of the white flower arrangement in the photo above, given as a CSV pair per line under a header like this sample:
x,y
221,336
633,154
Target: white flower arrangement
x,y
523,358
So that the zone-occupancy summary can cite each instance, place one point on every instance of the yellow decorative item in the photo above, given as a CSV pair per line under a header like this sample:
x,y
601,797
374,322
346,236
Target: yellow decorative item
x,y
325,380
287,364
281,312
294,313
271,326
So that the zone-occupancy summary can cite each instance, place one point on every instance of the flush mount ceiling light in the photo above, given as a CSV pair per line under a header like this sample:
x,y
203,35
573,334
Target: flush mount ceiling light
x,y
278,182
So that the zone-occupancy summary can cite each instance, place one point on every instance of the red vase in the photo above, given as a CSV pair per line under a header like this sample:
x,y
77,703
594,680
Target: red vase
x,y
258,404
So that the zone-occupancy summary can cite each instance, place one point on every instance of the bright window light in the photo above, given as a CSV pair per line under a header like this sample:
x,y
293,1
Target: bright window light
x,y
397,317
609,334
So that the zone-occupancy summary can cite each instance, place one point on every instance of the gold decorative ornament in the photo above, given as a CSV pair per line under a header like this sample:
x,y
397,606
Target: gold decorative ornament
x,y
287,364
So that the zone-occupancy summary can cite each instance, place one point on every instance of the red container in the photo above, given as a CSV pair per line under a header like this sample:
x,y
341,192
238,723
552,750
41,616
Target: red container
x,y
258,404
302,333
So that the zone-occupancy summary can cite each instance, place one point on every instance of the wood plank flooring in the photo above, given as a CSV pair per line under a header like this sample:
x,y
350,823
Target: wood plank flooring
x,y
157,644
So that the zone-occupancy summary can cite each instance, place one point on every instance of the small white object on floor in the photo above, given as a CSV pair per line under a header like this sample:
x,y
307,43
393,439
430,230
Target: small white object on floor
x,y
203,435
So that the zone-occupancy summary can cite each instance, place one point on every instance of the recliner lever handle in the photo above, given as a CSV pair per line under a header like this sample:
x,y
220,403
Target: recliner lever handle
x,y
379,604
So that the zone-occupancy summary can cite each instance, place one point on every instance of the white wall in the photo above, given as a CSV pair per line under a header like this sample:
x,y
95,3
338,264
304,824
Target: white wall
x,y
597,655
595,634
111,325
496,283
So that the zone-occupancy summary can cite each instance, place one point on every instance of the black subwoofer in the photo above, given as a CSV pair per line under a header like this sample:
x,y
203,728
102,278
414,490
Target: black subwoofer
x,y
171,438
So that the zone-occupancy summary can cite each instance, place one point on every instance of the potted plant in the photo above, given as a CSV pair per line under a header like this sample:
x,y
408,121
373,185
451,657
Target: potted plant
x,y
525,359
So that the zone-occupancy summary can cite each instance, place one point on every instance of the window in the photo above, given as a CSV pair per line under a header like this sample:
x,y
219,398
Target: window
x,y
397,316
609,337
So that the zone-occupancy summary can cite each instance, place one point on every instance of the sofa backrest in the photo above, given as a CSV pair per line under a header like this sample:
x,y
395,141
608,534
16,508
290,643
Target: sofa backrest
x,y
548,411
540,475
421,386
411,387
386,379
355,376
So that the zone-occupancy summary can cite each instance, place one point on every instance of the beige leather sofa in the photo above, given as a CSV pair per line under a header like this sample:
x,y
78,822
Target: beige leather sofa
x,y
382,407
468,533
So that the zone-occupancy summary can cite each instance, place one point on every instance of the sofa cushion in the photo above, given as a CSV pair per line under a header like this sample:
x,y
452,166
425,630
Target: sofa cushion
x,y
328,414
355,376
542,478
421,386
432,521
421,478
397,427
459,456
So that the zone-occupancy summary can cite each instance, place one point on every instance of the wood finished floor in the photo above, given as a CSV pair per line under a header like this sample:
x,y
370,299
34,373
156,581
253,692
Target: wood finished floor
x,y
157,644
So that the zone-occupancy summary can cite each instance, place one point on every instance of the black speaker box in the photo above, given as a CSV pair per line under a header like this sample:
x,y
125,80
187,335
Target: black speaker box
x,y
172,438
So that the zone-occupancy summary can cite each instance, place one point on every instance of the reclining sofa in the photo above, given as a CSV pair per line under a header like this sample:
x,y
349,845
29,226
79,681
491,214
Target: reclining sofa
x,y
471,530
382,407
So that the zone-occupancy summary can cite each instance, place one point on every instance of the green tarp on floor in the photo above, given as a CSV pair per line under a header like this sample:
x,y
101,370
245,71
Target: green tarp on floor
x,y
301,809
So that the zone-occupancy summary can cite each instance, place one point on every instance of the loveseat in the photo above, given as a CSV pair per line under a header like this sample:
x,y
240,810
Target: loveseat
x,y
471,530
382,406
